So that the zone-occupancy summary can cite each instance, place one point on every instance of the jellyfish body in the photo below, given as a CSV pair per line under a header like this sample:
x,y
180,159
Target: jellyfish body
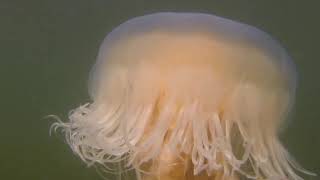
x,y
187,96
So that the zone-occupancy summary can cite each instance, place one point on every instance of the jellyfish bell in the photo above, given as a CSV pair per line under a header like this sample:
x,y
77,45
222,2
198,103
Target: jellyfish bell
x,y
188,96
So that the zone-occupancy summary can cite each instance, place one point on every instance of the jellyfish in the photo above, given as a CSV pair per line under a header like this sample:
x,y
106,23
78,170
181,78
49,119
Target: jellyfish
x,y
188,96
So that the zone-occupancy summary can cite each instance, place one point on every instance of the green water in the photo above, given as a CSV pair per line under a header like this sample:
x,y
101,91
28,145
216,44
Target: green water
x,y
47,48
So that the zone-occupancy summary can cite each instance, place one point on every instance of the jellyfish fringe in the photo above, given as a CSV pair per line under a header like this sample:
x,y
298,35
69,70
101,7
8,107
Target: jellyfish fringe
x,y
134,134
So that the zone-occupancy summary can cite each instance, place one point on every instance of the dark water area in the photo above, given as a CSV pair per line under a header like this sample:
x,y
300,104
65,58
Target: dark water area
x,y
48,47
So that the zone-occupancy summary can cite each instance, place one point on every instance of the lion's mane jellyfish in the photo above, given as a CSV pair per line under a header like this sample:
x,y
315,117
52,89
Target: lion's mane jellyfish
x,y
187,96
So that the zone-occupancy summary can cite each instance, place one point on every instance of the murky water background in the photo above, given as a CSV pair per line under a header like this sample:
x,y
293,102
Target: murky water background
x,y
48,47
